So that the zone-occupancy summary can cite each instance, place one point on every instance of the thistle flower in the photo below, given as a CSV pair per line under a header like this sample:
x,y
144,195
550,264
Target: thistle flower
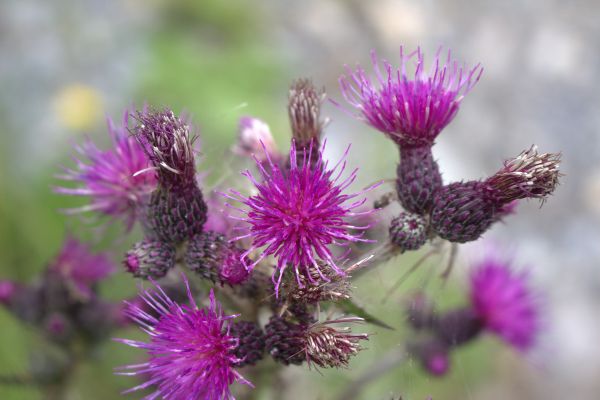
x,y
463,211
251,133
410,111
190,349
176,210
297,214
80,268
327,346
504,302
167,142
108,177
528,175
304,110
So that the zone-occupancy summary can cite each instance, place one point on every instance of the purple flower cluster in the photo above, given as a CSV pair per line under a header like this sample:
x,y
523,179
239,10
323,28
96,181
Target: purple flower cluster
x,y
298,222
413,112
79,267
63,303
502,302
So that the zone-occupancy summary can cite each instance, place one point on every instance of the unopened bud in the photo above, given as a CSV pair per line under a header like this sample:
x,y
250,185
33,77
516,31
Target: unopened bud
x,y
150,259
255,139
251,342
408,231
304,109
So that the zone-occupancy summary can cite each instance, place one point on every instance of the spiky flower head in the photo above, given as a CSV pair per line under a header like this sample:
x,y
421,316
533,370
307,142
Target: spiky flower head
x,y
304,109
190,349
505,303
529,175
329,346
79,268
411,110
167,140
296,214
109,177
253,133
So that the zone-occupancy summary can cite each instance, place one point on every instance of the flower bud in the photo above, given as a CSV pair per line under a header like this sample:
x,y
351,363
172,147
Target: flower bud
x,y
255,139
408,231
461,212
433,356
7,291
304,109
210,255
285,341
458,327
57,327
251,342
150,259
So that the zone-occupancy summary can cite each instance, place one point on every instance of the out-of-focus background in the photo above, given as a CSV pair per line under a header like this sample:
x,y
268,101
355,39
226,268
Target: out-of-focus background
x,y
65,65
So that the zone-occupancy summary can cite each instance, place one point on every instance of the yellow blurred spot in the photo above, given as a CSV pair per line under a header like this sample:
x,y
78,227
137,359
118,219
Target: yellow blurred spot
x,y
78,107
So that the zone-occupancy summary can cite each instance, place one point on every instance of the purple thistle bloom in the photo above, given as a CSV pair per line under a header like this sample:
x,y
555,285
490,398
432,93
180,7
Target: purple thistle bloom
x,y
191,349
411,111
7,291
80,267
505,303
109,177
298,213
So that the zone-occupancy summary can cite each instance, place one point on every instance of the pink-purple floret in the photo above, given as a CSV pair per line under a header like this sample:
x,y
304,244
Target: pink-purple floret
x,y
108,177
80,267
411,110
298,213
505,303
190,348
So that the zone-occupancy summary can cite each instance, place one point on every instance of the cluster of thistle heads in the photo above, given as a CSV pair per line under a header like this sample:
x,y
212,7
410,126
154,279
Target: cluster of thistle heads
x,y
63,305
287,247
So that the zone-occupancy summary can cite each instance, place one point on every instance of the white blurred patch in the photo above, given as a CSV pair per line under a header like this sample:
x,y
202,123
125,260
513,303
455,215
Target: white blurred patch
x,y
556,52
